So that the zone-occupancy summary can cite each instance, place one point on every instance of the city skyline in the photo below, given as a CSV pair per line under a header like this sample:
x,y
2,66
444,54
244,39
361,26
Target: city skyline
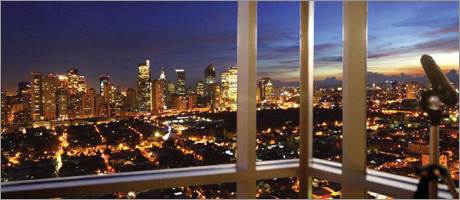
x,y
81,35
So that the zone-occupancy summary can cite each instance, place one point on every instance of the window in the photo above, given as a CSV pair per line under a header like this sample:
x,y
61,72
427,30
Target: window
x,y
92,109
327,94
277,91
398,131
265,178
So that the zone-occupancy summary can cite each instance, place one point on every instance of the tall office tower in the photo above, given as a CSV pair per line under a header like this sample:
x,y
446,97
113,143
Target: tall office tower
x,y
200,88
62,101
75,81
157,96
216,97
162,74
165,86
131,100
103,82
210,74
37,96
102,108
171,88
229,88
119,105
4,108
266,89
411,90
180,82
24,93
89,103
144,92
49,85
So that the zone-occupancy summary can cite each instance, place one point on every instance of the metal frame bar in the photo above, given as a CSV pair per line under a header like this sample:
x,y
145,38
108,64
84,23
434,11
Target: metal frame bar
x,y
306,95
354,140
246,120
380,182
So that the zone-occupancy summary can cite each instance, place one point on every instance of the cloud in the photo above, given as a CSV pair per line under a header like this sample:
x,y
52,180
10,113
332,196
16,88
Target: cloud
x,y
453,28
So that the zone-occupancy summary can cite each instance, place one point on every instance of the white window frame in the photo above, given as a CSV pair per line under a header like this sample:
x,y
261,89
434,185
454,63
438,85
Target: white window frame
x,y
353,175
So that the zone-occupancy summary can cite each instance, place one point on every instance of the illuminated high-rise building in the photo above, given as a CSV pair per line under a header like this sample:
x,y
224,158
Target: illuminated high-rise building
x,y
229,88
104,81
4,108
89,103
216,97
37,96
200,88
144,89
411,90
49,86
62,101
266,89
157,96
75,81
210,74
180,82
171,88
25,94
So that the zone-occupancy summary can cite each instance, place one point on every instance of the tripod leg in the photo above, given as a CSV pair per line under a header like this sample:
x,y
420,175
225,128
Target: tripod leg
x,y
434,159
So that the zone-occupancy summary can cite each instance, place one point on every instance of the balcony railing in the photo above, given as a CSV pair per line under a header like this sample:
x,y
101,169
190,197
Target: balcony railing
x,y
352,174
384,183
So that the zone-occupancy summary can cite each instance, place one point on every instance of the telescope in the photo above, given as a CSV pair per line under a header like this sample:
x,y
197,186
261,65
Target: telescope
x,y
439,82
433,102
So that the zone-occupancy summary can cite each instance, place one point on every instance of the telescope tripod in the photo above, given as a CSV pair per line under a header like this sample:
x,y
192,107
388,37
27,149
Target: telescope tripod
x,y
431,103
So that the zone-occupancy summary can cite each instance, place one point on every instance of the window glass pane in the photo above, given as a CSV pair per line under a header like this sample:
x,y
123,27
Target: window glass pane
x,y
327,94
278,80
108,87
398,131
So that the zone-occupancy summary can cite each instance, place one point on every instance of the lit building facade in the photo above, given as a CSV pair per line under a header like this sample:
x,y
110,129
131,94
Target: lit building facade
x,y
411,90
266,89
180,82
157,96
144,90
200,88
229,88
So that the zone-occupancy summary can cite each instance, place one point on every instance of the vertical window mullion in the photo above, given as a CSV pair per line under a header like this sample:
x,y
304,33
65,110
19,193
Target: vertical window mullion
x,y
306,95
246,110
354,99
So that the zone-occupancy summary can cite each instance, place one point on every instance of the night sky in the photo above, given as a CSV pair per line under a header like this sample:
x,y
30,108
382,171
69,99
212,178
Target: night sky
x,y
111,38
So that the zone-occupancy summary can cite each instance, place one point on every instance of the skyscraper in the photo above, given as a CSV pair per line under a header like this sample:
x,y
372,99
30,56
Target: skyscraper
x,y
62,100
49,85
144,90
89,103
4,108
200,88
37,96
75,81
103,82
157,96
266,89
210,74
229,88
180,82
